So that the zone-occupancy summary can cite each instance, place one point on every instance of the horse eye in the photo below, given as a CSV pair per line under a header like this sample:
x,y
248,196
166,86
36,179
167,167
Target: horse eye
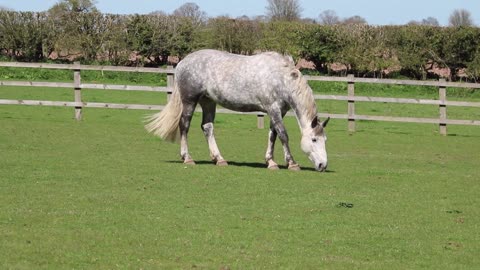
x,y
314,140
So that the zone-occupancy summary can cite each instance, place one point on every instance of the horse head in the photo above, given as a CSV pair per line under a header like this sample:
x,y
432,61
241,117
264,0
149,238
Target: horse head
x,y
313,144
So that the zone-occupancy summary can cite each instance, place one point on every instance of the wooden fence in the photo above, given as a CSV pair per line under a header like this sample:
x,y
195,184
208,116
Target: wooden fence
x,y
351,98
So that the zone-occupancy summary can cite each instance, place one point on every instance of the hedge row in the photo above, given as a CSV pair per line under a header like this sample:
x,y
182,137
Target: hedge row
x,y
377,51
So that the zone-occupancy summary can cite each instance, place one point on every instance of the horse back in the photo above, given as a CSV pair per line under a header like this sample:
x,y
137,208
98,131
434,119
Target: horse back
x,y
243,83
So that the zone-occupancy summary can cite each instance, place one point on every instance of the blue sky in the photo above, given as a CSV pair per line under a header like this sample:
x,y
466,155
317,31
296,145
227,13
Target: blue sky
x,y
375,11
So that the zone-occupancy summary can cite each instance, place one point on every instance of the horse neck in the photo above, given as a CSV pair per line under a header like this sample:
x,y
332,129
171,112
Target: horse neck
x,y
303,104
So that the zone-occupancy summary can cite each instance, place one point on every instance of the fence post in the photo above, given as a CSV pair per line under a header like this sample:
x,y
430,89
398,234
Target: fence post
x,y
442,97
77,81
351,103
170,82
260,121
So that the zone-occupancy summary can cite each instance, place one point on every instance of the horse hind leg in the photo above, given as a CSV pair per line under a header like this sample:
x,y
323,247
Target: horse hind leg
x,y
272,136
185,120
208,117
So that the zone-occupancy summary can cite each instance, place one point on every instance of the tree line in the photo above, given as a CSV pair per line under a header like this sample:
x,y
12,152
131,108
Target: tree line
x,y
83,33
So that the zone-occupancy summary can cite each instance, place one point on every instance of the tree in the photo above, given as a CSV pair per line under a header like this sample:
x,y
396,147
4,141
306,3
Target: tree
x,y
66,6
115,43
24,35
191,11
158,13
430,21
329,17
354,20
233,35
282,37
363,49
459,48
416,47
243,18
473,67
182,41
260,18
82,28
284,10
140,37
320,44
460,17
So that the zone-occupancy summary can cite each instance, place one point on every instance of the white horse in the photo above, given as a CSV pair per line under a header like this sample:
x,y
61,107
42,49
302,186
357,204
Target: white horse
x,y
267,82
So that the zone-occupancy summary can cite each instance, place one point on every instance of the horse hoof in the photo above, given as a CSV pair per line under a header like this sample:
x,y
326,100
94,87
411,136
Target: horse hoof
x,y
189,162
294,167
222,163
273,167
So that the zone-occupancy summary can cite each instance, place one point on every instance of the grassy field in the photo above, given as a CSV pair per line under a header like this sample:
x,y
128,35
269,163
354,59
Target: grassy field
x,y
104,194
88,76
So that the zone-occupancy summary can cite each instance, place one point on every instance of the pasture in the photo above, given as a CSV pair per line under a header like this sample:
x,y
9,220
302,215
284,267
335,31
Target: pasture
x,y
102,193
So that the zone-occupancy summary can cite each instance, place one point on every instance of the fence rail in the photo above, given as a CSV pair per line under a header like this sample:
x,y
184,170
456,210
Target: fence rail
x,y
391,81
77,66
351,98
398,100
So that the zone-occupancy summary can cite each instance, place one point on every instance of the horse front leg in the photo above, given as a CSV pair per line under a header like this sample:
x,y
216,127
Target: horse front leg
x,y
277,122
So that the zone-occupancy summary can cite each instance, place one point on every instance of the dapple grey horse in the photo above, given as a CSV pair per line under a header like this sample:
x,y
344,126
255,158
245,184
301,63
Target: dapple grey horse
x,y
266,82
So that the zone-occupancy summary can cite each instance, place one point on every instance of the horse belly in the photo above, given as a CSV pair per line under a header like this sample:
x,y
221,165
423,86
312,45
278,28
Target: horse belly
x,y
242,101
242,107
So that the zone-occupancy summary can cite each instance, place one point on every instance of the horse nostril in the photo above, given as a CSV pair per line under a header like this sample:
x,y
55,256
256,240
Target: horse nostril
x,y
321,167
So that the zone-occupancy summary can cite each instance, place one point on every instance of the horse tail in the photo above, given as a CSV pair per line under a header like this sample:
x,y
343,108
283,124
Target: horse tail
x,y
164,124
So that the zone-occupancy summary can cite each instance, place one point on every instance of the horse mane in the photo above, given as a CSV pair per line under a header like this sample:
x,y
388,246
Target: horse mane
x,y
305,101
306,104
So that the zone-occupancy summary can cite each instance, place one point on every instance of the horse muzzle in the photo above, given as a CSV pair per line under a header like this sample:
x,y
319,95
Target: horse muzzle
x,y
321,167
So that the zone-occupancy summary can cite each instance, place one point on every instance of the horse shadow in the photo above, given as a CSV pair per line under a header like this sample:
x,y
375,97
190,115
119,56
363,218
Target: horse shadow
x,y
255,165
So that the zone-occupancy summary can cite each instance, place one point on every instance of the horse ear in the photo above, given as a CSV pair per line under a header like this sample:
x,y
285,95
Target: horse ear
x,y
315,122
324,123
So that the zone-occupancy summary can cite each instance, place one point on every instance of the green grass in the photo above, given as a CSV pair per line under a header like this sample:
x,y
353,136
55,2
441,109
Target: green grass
x,y
399,91
88,95
103,194
396,91
88,76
